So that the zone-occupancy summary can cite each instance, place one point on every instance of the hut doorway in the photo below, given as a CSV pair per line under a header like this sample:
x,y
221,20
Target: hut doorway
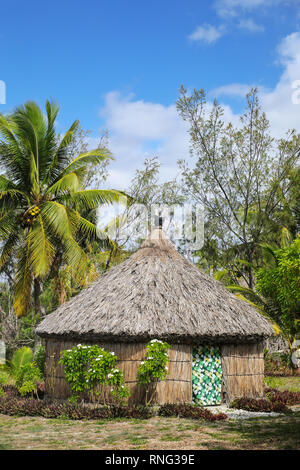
x,y
206,375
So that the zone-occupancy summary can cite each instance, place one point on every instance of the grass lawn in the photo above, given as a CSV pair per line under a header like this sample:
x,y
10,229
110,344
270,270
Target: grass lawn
x,y
36,433
284,383
22,433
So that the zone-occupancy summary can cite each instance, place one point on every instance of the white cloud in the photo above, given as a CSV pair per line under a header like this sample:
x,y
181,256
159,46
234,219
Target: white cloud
x,y
281,109
139,130
233,89
207,33
251,26
226,8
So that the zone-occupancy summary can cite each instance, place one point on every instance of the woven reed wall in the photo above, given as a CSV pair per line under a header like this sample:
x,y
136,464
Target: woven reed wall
x,y
176,388
243,371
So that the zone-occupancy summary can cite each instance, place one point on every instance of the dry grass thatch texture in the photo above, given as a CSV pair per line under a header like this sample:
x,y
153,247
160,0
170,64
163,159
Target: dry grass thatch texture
x,y
156,293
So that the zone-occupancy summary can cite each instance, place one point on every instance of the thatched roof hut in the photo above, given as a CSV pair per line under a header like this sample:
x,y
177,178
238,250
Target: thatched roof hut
x,y
157,293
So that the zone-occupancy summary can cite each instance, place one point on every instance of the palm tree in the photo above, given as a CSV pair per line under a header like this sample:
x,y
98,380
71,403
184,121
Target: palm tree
x,y
42,199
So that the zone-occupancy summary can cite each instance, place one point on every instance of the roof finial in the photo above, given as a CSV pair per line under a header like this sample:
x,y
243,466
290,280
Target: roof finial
x,y
158,222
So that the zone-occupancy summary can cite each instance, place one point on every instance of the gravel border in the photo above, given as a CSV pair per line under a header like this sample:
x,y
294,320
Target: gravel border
x,y
241,414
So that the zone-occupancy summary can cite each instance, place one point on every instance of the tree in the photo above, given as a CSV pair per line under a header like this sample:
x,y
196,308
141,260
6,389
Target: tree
x,y
42,200
145,191
277,293
241,177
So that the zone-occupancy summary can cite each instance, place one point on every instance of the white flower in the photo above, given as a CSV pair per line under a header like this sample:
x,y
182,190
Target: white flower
x,y
110,375
113,353
166,368
142,362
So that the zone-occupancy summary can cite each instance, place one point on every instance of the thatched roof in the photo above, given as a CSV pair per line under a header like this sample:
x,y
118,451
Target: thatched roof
x,y
156,293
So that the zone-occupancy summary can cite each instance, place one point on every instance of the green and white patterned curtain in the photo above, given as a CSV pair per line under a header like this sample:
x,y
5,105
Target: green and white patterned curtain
x,y
207,375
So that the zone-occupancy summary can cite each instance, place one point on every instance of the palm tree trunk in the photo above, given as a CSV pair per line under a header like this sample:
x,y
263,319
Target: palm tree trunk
x,y
37,290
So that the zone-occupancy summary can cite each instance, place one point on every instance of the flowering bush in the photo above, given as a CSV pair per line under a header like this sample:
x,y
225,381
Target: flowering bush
x,y
88,366
154,367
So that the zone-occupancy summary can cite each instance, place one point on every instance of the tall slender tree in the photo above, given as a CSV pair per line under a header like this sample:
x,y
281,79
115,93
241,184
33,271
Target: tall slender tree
x,y
242,177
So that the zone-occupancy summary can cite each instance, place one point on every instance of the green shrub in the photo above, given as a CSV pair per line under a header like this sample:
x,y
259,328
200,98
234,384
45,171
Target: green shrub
x,y
261,405
12,404
27,379
85,367
187,410
20,358
39,359
154,367
5,377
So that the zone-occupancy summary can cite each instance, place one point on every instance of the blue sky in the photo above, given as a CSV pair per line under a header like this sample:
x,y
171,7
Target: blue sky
x,y
118,65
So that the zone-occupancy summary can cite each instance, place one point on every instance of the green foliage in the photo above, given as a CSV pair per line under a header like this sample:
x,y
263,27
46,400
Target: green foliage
x,y
277,294
21,358
277,363
5,377
189,411
247,181
154,367
281,284
39,359
27,378
23,371
86,367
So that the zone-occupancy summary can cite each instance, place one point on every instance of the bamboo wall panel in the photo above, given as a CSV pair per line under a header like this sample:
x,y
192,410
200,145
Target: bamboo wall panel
x,y
176,388
243,370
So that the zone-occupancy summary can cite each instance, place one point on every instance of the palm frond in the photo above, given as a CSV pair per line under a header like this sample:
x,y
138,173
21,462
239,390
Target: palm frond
x,y
7,223
61,156
65,185
269,253
9,246
248,293
92,198
90,230
57,218
219,275
11,151
20,358
93,156
41,249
